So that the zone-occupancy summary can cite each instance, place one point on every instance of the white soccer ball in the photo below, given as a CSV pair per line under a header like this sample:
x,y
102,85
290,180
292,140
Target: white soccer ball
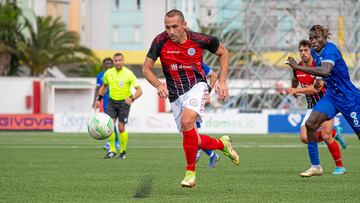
x,y
100,126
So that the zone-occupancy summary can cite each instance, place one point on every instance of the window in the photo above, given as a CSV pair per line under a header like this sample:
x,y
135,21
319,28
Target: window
x,y
117,4
126,34
115,34
137,34
208,12
138,3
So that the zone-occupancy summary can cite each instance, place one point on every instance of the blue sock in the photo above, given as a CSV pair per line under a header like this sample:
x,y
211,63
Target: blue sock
x,y
116,136
314,153
210,153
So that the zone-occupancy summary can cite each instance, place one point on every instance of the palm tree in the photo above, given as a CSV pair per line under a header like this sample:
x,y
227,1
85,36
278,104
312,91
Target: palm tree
x,y
9,35
50,44
90,69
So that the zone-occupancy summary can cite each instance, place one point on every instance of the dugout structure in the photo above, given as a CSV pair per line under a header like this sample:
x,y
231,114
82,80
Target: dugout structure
x,y
68,96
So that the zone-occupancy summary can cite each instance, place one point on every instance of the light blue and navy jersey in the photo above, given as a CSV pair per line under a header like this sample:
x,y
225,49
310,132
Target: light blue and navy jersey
x,y
206,69
99,83
338,83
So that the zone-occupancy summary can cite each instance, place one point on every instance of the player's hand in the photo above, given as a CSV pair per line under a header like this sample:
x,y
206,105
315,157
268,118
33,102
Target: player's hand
x,y
222,91
317,84
292,91
128,101
162,90
97,104
291,62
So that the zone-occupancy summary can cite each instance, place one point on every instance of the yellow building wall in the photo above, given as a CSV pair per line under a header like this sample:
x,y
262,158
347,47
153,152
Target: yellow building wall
x,y
55,10
130,57
74,16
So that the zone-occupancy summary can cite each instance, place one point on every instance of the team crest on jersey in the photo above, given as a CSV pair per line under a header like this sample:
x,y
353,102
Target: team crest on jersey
x,y
193,102
121,83
191,51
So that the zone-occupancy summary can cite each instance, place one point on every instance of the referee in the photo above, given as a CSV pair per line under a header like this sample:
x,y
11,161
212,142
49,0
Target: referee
x,y
119,79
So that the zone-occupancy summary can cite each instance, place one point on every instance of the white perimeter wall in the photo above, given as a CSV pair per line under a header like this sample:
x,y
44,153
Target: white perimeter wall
x,y
144,116
164,123
13,94
15,89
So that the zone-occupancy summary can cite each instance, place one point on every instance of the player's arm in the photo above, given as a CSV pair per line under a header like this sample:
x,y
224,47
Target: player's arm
x,y
309,90
137,94
323,70
221,86
153,80
213,77
101,94
96,94
294,81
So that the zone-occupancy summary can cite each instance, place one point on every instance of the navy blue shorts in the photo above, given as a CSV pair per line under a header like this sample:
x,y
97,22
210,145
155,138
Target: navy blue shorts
x,y
348,106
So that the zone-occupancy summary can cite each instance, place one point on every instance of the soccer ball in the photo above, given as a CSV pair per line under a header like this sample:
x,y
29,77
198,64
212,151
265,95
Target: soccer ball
x,y
100,126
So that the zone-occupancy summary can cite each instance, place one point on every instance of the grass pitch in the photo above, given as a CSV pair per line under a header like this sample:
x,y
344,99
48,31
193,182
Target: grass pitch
x,y
52,167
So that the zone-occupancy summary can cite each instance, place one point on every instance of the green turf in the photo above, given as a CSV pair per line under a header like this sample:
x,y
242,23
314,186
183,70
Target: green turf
x,y
51,167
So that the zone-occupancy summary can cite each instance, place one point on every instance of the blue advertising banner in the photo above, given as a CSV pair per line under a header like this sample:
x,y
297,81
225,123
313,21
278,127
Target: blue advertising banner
x,y
290,123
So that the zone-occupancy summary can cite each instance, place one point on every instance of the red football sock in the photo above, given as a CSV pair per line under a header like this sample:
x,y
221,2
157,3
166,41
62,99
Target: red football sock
x,y
335,153
318,133
190,145
210,143
333,133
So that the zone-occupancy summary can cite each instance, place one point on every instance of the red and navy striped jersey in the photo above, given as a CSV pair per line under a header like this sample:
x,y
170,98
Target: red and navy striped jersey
x,y
182,63
305,80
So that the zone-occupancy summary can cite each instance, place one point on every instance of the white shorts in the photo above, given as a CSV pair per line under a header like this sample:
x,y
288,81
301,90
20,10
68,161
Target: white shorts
x,y
194,99
307,115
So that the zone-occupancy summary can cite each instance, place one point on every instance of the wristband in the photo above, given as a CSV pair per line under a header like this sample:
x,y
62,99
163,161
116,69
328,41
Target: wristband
x,y
100,97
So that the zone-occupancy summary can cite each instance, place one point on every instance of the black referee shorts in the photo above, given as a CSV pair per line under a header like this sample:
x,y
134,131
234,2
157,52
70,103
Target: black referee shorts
x,y
119,110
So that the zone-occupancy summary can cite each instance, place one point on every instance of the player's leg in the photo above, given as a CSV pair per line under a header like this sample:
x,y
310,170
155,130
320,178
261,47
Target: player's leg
x,y
337,134
327,135
198,125
103,108
177,109
123,140
303,134
324,110
124,136
190,145
213,157
195,101
111,111
192,106
312,124
104,104
112,141
117,142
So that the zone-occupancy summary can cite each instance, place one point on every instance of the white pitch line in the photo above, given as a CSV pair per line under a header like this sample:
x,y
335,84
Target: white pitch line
x,y
290,146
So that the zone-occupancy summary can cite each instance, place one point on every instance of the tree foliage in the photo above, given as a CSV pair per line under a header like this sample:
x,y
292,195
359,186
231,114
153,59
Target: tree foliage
x,y
50,44
10,34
